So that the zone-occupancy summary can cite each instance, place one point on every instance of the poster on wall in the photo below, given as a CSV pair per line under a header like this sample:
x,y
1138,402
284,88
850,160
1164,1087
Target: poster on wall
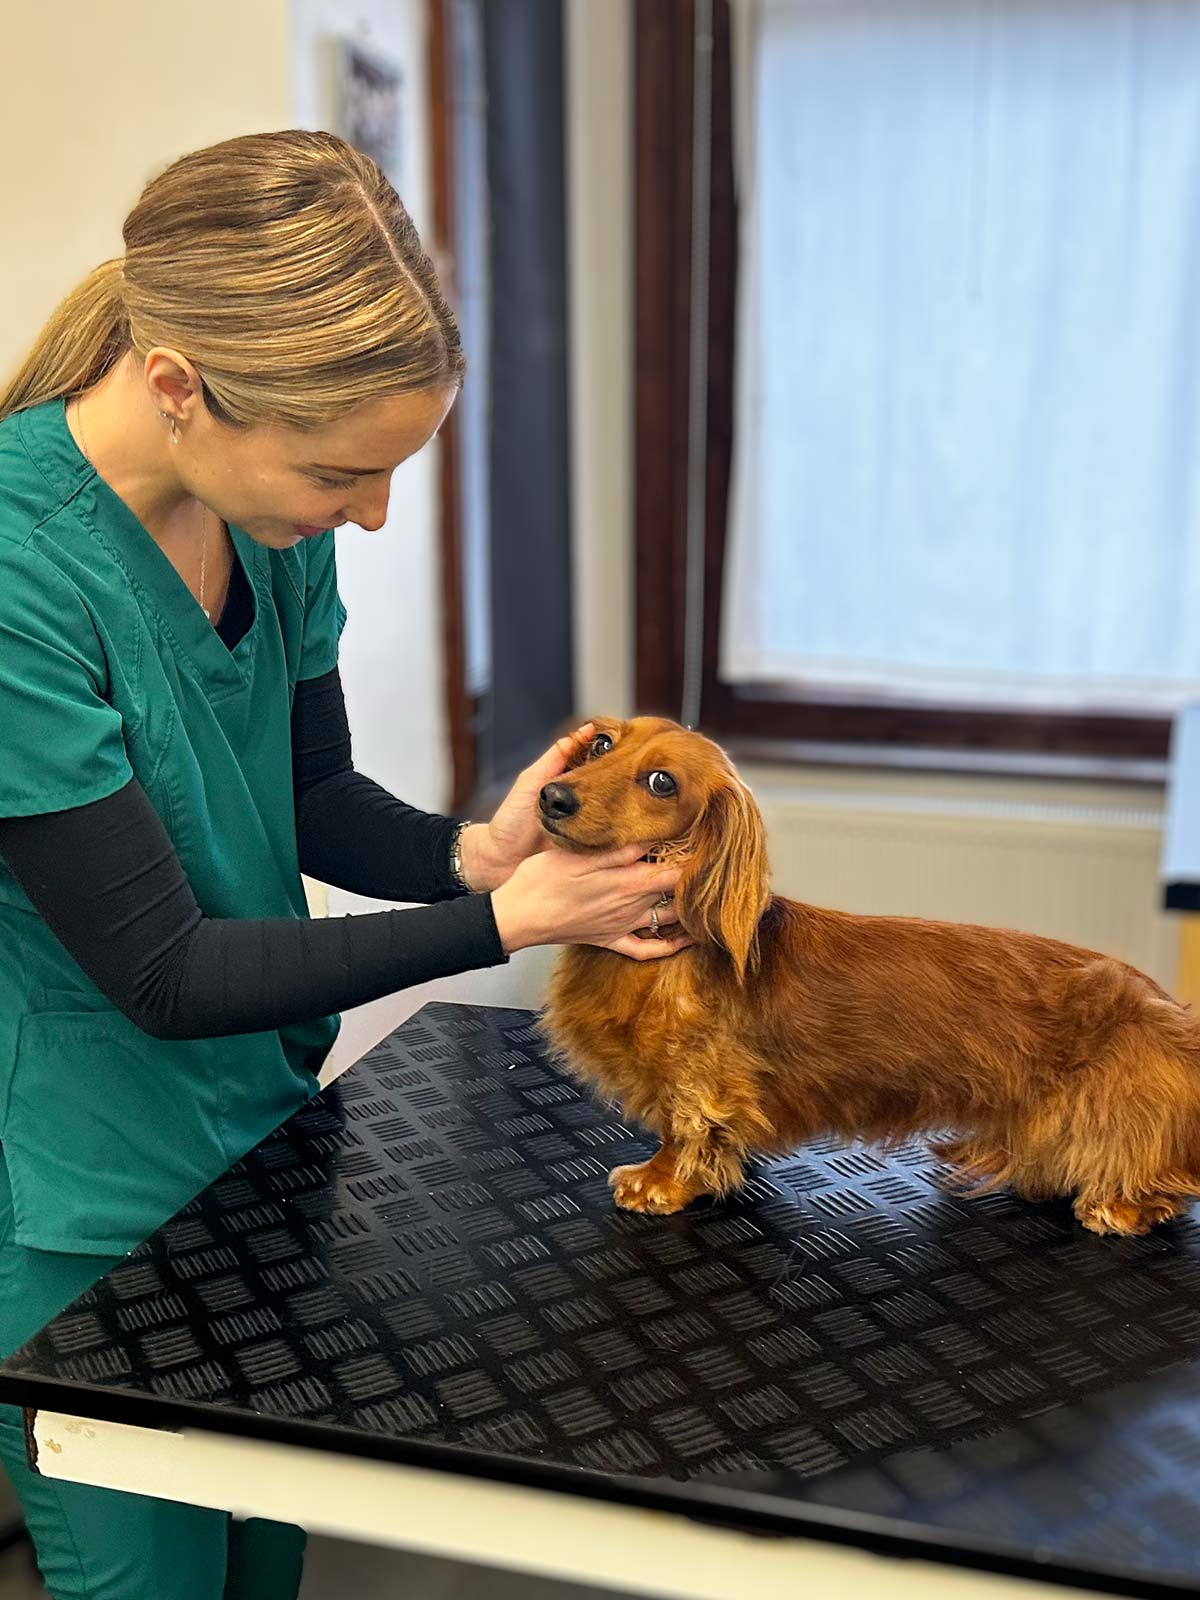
x,y
371,106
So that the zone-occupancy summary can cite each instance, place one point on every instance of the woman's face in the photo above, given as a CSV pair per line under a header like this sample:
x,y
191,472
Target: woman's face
x,y
281,486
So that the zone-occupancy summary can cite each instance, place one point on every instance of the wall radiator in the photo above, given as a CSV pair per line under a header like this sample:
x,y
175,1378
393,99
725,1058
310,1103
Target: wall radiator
x,y
1076,864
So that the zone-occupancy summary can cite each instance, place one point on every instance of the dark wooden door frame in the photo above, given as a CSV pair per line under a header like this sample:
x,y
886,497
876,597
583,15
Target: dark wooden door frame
x,y
457,703
662,229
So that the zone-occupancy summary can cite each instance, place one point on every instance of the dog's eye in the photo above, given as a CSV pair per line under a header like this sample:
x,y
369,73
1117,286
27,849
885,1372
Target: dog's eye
x,y
601,745
661,784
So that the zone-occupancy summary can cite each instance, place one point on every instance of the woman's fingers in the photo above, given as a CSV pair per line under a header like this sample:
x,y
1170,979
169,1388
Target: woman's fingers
x,y
662,880
650,878
664,915
570,744
559,756
650,949
623,856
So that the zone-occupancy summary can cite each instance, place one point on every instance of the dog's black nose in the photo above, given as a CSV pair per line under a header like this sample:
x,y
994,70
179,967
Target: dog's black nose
x,y
558,800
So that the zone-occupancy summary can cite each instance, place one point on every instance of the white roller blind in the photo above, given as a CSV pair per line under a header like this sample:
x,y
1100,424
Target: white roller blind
x,y
967,460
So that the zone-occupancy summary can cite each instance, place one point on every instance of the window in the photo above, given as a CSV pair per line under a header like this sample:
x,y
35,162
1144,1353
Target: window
x,y
963,421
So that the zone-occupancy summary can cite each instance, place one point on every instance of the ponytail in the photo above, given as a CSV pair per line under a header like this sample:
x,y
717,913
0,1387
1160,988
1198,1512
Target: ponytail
x,y
83,339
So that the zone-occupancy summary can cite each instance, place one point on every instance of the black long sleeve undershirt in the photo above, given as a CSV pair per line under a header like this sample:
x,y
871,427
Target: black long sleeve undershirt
x,y
353,834
107,880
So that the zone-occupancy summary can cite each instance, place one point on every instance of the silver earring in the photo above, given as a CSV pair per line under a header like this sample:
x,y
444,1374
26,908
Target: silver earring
x,y
166,416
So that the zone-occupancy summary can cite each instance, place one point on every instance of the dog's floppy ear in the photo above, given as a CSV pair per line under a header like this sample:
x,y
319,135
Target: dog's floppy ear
x,y
725,884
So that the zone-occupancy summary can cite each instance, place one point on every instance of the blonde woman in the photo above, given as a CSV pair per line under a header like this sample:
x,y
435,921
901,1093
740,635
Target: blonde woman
x,y
174,752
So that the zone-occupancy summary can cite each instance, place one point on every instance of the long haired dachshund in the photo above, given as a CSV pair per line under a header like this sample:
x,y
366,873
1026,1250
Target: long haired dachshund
x,y
1058,1071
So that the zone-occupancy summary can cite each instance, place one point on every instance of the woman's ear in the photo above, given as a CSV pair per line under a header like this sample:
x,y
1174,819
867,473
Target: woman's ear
x,y
725,886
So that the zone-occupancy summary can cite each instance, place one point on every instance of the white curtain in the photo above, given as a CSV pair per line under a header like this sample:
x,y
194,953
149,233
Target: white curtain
x,y
968,411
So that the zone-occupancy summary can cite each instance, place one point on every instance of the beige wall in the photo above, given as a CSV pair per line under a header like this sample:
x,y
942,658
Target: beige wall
x,y
97,99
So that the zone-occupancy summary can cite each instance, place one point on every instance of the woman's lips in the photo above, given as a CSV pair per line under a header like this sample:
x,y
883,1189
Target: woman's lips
x,y
305,531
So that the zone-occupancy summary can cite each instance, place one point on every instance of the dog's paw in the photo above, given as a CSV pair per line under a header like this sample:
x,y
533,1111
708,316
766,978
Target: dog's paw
x,y
647,1187
1128,1217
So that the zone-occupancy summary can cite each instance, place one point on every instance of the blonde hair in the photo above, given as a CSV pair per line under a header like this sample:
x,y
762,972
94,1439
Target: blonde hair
x,y
283,265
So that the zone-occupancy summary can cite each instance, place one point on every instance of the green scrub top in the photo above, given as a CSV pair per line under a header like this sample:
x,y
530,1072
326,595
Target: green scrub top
x,y
109,670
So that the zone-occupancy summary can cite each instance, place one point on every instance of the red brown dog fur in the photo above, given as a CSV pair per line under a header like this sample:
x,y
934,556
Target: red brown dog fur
x,y
1061,1072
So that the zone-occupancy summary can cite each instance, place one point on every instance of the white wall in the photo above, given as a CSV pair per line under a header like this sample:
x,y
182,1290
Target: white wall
x,y
599,112
391,651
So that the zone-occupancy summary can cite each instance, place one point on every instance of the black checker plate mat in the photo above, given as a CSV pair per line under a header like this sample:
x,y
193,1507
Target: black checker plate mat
x,y
429,1252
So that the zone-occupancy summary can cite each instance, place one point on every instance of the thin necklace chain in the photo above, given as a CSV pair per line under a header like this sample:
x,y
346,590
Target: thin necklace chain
x,y
204,541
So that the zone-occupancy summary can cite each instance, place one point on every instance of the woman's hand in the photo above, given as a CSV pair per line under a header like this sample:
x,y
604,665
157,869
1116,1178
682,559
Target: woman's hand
x,y
560,897
492,852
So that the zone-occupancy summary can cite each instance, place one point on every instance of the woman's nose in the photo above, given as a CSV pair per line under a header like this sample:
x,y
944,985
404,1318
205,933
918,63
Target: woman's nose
x,y
369,510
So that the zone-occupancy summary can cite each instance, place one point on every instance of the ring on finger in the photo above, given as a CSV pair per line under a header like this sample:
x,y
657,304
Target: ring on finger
x,y
654,927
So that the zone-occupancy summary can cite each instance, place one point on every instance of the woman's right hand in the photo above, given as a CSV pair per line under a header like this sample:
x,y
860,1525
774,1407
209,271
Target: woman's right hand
x,y
560,897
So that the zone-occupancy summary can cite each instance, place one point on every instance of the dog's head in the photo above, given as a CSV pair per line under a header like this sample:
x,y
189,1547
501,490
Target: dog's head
x,y
649,781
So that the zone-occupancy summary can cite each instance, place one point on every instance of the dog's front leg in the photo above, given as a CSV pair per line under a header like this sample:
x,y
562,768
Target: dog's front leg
x,y
706,1159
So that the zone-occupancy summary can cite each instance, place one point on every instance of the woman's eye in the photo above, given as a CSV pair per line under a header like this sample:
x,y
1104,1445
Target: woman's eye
x,y
333,483
601,745
661,784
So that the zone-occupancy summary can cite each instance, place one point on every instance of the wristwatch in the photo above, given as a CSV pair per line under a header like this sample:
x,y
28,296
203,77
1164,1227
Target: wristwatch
x,y
456,866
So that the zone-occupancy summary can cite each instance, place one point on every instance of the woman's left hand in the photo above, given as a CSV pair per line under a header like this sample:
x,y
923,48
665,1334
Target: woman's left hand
x,y
492,852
